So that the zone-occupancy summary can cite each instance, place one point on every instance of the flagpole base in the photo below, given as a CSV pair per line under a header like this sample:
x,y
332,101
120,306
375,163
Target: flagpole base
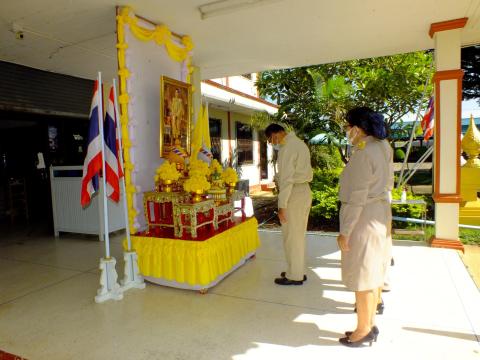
x,y
132,278
109,287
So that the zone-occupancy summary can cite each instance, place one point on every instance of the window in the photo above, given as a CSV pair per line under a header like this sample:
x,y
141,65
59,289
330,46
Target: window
x,y
244,144
215,138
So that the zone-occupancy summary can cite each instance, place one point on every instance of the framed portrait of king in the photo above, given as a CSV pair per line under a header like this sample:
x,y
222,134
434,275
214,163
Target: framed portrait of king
x,y
175,116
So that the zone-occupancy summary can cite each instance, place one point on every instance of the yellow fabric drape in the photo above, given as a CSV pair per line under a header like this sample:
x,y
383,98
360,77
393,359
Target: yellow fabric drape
x,y
197,134
161,35
195,262
201,132
206,130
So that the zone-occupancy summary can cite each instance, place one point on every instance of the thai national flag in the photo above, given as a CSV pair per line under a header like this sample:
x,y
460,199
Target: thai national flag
x,y
92,165
113,168
428,120
205,154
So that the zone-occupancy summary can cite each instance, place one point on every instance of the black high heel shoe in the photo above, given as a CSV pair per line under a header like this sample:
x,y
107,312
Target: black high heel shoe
x,y
367,338
375,332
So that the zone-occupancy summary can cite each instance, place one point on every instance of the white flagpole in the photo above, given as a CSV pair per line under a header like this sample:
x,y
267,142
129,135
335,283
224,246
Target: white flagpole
x,y
120,154
102,139
132,278
109,288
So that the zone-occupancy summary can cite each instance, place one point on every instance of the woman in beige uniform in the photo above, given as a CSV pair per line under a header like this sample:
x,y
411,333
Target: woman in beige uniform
x,y
365,218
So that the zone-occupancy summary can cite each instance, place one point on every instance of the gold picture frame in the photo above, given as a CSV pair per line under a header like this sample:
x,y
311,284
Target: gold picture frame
x,y
175,115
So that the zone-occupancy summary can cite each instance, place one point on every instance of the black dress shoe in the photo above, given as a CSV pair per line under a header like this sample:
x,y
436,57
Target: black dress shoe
x,y
285,281
284,274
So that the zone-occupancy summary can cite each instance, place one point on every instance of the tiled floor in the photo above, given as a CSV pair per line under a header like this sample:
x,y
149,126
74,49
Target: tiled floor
x,y
47,309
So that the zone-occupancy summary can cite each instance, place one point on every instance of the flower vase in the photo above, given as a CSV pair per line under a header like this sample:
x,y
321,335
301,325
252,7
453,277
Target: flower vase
x,y
231,188
167,185
197,196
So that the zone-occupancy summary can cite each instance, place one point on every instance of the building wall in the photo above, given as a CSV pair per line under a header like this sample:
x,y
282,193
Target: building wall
x,y
240,83
229,142
225,142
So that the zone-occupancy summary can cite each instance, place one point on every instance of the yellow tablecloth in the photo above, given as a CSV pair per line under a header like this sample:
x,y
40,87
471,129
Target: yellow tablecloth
x,y
196,262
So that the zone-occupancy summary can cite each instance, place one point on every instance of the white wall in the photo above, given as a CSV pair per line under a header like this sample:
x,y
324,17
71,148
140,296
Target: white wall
x,y
147,62
243,84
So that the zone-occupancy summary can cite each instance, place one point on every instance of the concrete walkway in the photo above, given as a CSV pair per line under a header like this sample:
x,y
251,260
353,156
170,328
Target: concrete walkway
x,y
47,310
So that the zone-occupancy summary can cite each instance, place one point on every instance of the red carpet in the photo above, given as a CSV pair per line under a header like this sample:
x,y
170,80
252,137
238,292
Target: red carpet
x,y
7,356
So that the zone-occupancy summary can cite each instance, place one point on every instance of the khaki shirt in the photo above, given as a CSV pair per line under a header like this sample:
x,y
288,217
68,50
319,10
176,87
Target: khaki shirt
x,y
294,167
367,177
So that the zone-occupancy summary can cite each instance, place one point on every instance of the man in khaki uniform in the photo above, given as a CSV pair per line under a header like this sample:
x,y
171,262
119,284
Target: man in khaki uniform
x,y
294,199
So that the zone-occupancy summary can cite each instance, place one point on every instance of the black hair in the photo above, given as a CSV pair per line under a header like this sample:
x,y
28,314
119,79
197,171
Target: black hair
x,y
371,122
273,129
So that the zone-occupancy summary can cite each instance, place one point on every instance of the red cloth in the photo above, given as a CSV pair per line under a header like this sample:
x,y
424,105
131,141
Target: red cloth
x,y
7,356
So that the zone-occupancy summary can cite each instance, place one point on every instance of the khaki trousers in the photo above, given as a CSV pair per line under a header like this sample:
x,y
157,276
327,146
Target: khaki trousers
x,y
298,208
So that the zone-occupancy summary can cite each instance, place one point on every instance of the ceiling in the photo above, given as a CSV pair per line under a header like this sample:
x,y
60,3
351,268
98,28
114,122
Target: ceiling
x,y
78,37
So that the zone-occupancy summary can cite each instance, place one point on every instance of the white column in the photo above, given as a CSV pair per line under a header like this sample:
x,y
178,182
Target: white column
x,y
448,96
225,140
196,81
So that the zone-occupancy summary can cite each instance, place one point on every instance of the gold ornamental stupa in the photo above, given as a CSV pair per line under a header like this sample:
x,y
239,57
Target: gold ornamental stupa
x,y
470,177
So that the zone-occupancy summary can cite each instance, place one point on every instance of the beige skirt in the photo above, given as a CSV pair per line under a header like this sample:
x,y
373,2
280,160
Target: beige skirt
x,y
365,264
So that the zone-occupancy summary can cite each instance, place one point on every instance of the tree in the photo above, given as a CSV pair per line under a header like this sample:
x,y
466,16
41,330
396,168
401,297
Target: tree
x,y
294,91
471,78
315,99
391,85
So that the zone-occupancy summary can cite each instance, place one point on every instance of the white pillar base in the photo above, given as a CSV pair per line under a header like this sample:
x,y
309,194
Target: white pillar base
x,y
109,288
446,220
132,278
446,227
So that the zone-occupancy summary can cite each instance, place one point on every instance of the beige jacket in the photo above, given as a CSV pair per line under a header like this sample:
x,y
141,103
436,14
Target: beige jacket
x,y
367,177
294,167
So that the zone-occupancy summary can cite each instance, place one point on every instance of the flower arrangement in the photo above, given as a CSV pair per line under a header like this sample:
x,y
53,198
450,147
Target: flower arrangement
x,y
198,168
215,167
167,172
230,176
196,183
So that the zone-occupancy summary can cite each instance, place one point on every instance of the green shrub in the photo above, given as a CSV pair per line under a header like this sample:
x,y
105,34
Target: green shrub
x,y
406,210
470,236
399,155
325,204
325,157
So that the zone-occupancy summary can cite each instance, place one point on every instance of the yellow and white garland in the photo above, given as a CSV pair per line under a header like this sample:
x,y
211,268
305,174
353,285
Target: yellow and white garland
x,y
162,36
